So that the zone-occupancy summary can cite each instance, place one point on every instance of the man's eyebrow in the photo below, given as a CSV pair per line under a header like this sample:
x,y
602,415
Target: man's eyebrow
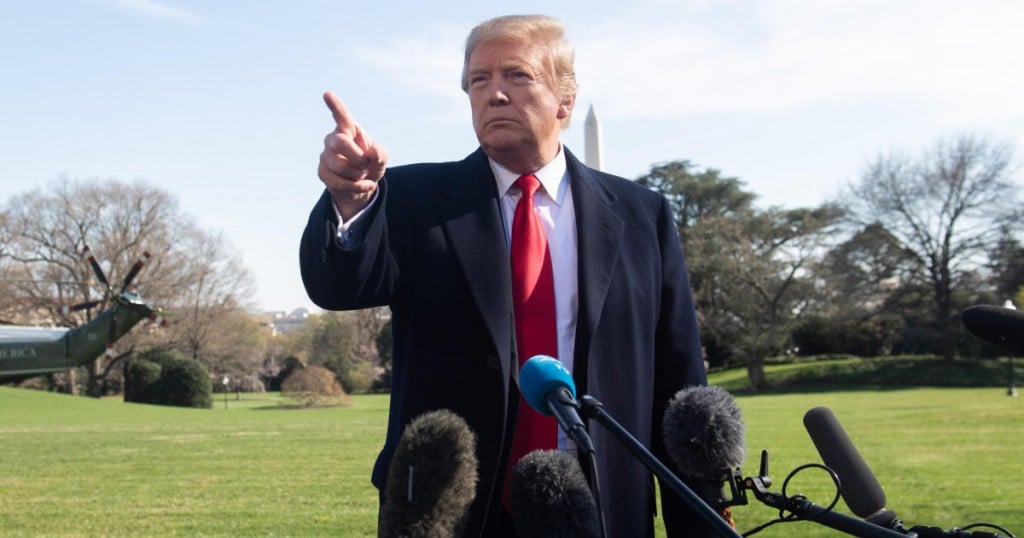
x,y
506,65
513,64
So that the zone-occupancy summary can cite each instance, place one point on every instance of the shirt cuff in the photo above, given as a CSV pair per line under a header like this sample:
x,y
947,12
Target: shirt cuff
x,y
350,232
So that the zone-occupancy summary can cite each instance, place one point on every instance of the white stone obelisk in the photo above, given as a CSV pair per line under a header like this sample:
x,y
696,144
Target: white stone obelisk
x,y
592,141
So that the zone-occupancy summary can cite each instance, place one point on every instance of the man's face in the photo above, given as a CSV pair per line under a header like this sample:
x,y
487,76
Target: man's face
x,y
517,112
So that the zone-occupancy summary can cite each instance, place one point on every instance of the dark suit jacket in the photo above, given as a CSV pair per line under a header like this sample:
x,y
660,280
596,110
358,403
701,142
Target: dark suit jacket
x,y
435,252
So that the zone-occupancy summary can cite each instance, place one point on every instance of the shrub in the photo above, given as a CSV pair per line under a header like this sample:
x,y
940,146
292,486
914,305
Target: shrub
x,y
185,382
314,386
383,382
274,374
168,378
361,377
141,381
249,383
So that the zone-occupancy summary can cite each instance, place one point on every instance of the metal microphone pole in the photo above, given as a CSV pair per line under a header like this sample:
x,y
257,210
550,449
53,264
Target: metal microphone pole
x,y
592,408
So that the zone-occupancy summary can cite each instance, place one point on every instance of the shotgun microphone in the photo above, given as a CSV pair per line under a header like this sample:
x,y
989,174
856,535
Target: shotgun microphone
x,y
858,485
1003,327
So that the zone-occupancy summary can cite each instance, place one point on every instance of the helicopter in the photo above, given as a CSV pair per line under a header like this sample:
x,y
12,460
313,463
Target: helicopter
x,y
32,351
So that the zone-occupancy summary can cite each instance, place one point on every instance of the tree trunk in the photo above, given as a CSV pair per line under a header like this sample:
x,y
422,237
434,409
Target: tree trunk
x,y
94,386
755,373
944,324
948,342
72,380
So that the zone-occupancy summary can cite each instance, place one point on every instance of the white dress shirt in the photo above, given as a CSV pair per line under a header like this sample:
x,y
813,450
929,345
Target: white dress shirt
x,y
553,204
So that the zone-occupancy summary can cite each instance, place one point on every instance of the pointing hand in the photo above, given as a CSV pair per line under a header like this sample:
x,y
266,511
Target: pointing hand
x,y
351,164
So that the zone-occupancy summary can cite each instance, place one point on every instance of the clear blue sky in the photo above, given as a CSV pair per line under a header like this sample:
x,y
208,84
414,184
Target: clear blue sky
x,y
218,102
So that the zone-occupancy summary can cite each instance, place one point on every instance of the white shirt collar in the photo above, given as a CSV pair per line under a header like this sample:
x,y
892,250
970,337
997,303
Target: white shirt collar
x,y
552,177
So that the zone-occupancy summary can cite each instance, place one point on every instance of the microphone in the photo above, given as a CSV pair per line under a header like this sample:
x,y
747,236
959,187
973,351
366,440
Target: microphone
x,y
549,389
704,435
858,485
1003,327
550,497
431,479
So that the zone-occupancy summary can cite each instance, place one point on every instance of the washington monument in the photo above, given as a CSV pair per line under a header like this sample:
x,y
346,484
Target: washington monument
x,y
592,149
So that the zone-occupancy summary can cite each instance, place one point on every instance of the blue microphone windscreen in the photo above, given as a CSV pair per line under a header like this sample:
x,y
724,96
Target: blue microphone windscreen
x,y
539,376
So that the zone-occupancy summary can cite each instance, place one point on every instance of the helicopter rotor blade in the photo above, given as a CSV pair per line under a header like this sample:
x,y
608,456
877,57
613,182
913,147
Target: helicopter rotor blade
x,y
134,271
68,309
95,266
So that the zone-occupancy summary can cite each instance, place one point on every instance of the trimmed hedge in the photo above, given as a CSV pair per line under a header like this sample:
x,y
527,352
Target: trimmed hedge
x,y
169,379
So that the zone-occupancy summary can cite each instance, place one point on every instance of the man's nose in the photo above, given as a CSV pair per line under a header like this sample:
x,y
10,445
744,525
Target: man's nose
x,y
498,96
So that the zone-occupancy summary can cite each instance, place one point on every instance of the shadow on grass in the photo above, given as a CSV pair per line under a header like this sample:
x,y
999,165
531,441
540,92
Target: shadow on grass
x,y
870,374
284,406
810,388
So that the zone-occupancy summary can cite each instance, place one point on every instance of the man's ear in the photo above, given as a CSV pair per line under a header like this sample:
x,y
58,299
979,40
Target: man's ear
x,y
565,106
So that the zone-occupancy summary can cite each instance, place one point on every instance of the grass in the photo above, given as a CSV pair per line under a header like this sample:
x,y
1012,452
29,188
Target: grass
x,y
80,467
945,457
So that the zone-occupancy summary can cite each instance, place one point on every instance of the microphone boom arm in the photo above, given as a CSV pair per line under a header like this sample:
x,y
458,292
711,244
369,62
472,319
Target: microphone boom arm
x,y
806,510
592,408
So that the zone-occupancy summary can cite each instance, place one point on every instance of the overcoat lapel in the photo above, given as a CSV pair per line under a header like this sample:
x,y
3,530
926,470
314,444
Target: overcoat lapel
x,y
471,218
598,234
473,226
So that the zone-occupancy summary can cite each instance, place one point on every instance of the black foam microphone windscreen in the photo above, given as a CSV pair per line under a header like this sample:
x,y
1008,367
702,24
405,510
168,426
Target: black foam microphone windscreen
x,y
431,479
1001,326
550,497
703,432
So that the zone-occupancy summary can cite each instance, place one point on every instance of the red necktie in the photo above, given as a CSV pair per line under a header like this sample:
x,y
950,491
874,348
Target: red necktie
x,y
533,300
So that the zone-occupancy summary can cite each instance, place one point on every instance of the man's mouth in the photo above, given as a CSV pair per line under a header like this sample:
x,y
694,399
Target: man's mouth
x,y
498,122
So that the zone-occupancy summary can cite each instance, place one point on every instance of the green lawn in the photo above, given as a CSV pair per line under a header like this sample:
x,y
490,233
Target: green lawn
x,y
82,467
75,466
945,457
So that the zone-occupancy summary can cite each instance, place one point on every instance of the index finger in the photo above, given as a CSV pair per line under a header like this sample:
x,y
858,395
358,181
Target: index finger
x,y
342,117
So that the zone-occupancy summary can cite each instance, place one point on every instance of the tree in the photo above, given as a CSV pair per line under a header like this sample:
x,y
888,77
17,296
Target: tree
x,y
756,278
697,196
329,344
8,308
869,280
385,349
694,195
751,271
367,324
1006,264
344,342
46,230
946,208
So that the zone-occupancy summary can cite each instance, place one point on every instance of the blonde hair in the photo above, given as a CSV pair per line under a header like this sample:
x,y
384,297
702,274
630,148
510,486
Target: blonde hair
x,y
539,29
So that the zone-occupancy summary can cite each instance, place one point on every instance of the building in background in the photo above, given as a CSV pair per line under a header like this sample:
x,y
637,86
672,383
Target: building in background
x,y
281,322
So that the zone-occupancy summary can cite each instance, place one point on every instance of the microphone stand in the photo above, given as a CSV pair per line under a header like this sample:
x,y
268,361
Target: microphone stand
x,y
595,489
584,446
808,511
592,408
